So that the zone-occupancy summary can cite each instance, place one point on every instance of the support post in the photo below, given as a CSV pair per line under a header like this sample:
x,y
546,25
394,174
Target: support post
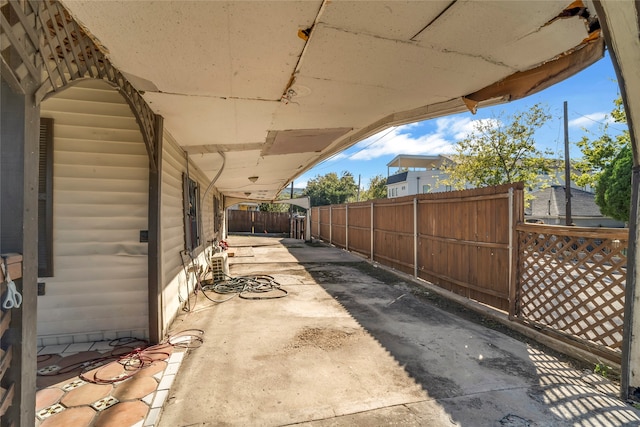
x,y
154,249
512,276
620,27
330,223
415,237
25,352
629,382
346,226
20,138
372,231
307,228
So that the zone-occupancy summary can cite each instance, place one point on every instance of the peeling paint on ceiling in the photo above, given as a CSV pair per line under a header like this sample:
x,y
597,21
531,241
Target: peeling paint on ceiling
x,y
278,86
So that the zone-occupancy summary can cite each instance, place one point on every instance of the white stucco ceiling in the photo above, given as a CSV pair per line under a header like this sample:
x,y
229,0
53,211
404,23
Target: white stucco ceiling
x,y
230,78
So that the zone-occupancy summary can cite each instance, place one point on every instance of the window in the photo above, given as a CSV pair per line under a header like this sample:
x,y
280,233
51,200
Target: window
x,y
426,188
45,199
191,200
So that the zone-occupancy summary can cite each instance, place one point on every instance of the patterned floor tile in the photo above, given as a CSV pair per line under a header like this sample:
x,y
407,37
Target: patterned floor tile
x,y
71,417
124,414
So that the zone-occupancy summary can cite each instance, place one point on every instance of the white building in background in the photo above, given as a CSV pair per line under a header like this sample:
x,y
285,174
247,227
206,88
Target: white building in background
x,y
413,174
416,175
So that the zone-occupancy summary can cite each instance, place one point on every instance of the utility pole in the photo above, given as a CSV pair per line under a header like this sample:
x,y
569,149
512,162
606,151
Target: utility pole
x,y
358,197
567,169
291,197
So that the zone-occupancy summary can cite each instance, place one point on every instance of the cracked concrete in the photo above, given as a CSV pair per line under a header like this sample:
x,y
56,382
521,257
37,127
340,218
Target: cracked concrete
x,y
350,347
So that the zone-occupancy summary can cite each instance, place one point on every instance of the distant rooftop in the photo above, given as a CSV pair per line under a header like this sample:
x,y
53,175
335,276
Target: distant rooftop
x,y
551,202
415,161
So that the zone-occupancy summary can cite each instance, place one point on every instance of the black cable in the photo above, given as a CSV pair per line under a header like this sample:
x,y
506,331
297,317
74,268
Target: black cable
x,y
245,285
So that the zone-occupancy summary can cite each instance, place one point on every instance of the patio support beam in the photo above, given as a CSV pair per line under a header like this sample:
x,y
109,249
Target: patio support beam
x,y
20,135
346,226
372,231
330,223
154,256
415,237
620,23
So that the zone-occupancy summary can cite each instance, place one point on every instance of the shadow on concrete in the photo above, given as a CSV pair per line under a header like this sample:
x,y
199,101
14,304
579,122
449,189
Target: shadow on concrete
x,y
479,375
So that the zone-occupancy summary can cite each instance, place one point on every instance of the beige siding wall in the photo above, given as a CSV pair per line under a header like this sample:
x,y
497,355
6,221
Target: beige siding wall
x,y
99,290
174,284
173,164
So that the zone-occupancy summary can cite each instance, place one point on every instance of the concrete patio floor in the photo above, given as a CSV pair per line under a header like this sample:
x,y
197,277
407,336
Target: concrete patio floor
x,y
352,344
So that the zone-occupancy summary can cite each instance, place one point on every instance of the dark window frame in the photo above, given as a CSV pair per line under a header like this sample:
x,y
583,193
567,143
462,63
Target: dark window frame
x,y
191,201
45,199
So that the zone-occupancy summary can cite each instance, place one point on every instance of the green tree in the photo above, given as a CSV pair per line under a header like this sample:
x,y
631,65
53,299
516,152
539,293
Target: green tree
x,y
377,188
599,152
281,207
273,207
501,151
613,190
606,164
330,189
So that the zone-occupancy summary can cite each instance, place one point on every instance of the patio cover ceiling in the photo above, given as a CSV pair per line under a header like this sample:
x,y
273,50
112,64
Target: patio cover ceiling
x,y
266,89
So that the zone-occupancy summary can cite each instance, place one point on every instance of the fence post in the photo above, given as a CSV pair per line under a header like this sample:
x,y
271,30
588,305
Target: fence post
x,y
346,226
512,259
371,231
415,237
330,223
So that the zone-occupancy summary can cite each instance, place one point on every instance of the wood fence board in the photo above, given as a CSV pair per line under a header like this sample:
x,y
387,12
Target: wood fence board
x,y
258,222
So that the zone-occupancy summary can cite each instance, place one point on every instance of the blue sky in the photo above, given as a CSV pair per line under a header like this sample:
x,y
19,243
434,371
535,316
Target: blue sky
x,y
590,95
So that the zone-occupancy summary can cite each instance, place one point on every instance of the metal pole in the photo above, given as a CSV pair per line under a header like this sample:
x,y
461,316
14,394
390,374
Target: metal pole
x,y
567,168
358,197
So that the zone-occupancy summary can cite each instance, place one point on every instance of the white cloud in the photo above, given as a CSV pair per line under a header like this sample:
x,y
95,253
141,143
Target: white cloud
x,y
590,120
404,139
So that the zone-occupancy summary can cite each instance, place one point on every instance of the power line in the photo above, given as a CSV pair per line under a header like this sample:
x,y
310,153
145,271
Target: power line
x,y
599,121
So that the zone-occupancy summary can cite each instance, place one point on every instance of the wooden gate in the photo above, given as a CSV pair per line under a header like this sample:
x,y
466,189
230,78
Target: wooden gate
x,y
258,222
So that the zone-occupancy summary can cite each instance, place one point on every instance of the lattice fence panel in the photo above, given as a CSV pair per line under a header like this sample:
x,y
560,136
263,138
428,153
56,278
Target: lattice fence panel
x,y
574,284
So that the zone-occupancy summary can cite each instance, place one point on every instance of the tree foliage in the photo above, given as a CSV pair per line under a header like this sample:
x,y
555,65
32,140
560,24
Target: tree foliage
x,y
273,207
501,150
377,188
606,163
613,191
599,152
330,189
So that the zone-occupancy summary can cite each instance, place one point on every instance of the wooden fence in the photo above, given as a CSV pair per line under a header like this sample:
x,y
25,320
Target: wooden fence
x,y
462,241
568,282
258,222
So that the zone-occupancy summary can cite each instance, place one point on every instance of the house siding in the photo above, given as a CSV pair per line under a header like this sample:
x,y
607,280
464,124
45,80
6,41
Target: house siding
x,y
174,285
99,287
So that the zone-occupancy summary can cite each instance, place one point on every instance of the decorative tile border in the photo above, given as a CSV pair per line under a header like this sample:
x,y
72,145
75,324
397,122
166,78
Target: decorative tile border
x,y
104,403
73,384
45,413
48,369
154,400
